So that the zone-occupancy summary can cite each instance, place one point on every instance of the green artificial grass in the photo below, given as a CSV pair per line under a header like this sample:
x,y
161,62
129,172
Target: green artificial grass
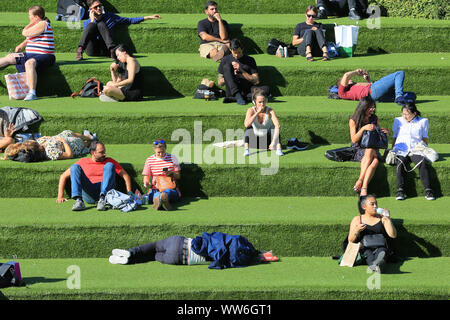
x,y
291,278
177,33
318,120
41,228
211,171
180,74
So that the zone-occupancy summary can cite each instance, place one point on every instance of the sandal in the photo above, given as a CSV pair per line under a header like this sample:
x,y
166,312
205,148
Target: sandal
x,y
309,56
325,56
358,185
363,194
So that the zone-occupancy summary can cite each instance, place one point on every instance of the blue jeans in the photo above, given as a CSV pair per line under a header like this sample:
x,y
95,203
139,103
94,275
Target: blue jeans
x,y
388,88
90,192
171,193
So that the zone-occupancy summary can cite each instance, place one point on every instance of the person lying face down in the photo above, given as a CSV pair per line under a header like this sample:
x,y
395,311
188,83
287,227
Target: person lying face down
x,y
217,249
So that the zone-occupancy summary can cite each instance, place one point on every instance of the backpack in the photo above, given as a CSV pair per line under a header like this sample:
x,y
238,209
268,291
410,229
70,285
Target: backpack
x,y
214,93
274,44
10,275
24,119
75,10
121,201
333,92
341,154
92,88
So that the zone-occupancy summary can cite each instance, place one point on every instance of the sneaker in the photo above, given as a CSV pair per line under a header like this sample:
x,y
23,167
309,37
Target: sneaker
x,y
101,204
279,152
78,205
121,253
103,97
294,143
240,100
30,96
400,100
400,195
79,55
429,195
118,260
165,202
322,14
246,153
93,136
353,15
157,203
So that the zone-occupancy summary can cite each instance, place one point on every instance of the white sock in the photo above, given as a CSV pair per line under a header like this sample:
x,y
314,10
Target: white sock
x,y
33,91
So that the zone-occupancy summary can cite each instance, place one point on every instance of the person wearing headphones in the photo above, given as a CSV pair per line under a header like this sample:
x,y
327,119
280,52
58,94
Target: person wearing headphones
x,y
92,178
262,129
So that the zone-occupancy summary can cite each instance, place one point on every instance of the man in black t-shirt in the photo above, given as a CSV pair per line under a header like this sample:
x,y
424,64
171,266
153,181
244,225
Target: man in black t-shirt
x,y
239,73
213,32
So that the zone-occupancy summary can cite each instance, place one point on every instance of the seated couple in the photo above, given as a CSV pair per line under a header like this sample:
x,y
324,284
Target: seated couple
x,y
408,130
92,177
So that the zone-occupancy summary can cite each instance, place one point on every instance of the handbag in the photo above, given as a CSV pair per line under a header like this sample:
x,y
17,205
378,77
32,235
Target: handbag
x,y
423,150
373,241
375,139
390,157
17,86
164,183
341,154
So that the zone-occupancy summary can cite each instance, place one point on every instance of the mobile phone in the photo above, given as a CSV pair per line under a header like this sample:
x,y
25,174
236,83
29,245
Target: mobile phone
x,y
165,169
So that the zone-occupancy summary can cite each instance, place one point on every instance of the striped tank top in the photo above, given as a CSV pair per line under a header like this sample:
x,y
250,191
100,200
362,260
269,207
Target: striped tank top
x,y
43,43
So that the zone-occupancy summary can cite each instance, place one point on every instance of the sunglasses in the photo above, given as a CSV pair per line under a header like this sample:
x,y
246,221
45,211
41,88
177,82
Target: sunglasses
x,y
160,141
97,7
373,203
311,15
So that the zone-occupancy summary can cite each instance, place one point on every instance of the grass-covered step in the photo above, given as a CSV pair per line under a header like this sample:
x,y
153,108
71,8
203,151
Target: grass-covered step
x,y
179,6
210,171
318,120
177,33
290,279
291,226
180,74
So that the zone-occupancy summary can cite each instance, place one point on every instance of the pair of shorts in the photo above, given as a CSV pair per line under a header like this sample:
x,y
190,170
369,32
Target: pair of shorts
x,y
205,48
43,61
131,94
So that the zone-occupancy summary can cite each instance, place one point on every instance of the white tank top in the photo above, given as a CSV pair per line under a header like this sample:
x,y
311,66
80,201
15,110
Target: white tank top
x,y
194,258
261,129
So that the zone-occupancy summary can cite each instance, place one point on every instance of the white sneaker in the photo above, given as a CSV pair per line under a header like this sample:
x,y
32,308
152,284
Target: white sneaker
x,y
103,97
118,260
30,96
246,153
279,152
121,253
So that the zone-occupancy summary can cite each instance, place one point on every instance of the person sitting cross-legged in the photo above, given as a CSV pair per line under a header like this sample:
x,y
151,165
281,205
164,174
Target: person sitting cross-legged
x,y
92,178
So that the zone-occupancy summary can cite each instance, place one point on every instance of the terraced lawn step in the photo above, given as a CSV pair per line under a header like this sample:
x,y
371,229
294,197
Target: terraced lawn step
x,y
177,33
291,278
291,226
211,171
318,120
180,74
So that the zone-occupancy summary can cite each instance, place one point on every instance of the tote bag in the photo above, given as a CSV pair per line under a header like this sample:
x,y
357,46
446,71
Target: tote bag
x,y
346,39
17,86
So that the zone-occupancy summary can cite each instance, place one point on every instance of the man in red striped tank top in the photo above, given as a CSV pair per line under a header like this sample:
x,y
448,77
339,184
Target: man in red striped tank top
x,y
39,49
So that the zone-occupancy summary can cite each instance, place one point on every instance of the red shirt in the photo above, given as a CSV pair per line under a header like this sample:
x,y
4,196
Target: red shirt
x,y
354,92
94,170
154,166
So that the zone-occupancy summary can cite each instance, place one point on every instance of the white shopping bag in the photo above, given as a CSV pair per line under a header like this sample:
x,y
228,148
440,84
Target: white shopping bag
x,y
346,39
17,85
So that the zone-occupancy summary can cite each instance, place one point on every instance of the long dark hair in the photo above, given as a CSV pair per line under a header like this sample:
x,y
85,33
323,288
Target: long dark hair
x,y
360,111
411,107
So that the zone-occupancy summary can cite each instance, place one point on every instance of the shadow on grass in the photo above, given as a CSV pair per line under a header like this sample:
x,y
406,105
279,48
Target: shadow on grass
x,y
33,280
53,83
273,78
250,46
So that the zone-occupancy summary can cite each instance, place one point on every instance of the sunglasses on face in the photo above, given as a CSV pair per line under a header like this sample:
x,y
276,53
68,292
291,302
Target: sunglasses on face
x,y
311,15
160,141
97,7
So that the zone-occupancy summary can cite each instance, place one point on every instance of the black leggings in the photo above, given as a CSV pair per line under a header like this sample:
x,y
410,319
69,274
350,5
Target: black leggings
x,y
168,251
315,39
423,170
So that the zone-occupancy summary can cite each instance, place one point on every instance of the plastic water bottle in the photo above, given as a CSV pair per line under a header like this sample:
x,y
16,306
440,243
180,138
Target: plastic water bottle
x,y
383,212
285,52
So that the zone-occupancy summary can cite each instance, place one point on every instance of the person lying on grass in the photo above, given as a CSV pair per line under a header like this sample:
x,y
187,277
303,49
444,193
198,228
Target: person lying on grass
x,y
161,171
217,249
66,145
127,77
363,119
370,223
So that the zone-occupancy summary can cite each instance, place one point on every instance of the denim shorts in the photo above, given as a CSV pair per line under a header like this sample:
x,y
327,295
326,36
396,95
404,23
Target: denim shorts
x,y
43,61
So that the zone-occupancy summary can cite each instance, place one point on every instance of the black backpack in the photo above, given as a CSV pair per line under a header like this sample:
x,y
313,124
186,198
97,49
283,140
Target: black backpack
x,y
10,275
24,119
341,154
214,92
75,9
273,45
92,88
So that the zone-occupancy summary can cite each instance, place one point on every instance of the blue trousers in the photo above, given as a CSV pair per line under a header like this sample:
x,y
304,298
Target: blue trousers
x,y
90,192
388,88
171,193
168,251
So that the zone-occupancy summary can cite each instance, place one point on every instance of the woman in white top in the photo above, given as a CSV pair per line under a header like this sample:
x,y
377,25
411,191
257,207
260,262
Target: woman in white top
x,y
409,130
262,129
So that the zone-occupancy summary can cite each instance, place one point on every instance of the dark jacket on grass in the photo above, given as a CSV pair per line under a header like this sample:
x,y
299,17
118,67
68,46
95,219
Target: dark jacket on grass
x,y
225,250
